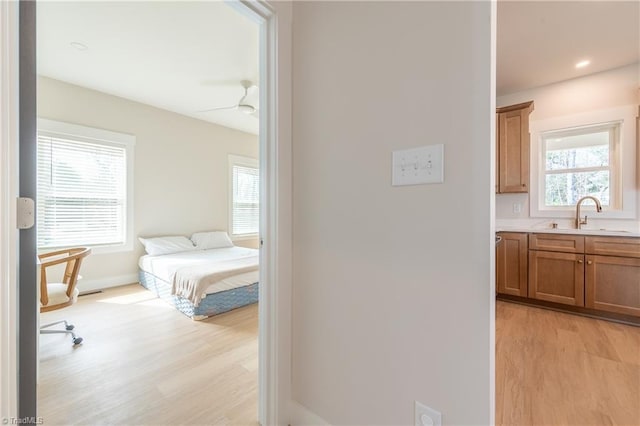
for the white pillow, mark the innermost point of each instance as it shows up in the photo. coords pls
(211, 240)
(166, 245)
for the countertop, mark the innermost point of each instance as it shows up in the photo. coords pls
(569, 231)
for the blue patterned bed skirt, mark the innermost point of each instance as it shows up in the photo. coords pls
(213, 304)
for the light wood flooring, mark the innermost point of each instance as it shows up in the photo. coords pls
(554, 368)
(144, 363)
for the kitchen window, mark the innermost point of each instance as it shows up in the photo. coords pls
(589, 153)
(581, 161)
(84, 187)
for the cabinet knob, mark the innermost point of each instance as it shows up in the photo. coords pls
(524, 184)
(579, 261)
(589, 262)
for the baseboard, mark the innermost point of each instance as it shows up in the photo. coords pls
(299, 415)
(102, 283)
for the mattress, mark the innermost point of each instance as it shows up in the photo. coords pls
(213, 304)
(165, 266)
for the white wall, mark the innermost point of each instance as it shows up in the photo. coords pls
(391, 285)
(599, 91)
(180, 170)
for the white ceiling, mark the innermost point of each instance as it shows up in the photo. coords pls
(179, 56)
(189, 56)
(539, 42)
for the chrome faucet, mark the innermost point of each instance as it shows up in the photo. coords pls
(579, 221)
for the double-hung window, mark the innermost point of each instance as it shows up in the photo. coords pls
(588, 153)
(84, 185)
(244, 211)
(581, 161)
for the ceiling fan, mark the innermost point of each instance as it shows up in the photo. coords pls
(242, 105)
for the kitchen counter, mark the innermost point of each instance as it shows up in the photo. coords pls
(568, 231)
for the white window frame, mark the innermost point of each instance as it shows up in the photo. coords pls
(238, 160)
(613, 167)
(623, 158)
(107, 137)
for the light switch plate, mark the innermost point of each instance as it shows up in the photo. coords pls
(417, 166)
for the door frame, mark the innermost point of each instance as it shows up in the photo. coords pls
(275, 167)
(9, 123)
(274, 311)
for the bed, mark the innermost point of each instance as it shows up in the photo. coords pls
(200, 281)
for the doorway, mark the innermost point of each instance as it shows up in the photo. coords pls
(269, 214)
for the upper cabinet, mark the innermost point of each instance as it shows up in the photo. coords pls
(512, 151)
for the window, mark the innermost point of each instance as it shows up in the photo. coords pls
(245, 196)
(84, 186)
(588, 153)
(579, 162)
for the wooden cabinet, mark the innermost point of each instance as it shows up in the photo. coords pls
(512, 134)
(556, 277)
(511, 264)
(612, 274)
(594, 275)
(613, 246)
(557, 242)
(613, 284)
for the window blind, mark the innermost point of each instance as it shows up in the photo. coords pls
(245, 209)
(81, 192)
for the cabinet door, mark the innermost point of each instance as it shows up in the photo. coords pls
(497, 183)
(557, 242)
(613, 246)
(556, 277)
(511, 264)
(513, 148)
(613, 284)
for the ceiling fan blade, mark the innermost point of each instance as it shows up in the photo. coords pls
(219, 108)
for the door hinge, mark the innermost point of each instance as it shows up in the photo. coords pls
(25, 213)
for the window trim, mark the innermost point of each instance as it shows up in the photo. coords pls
(238, 160)
(613, 128)
(623, 158)
(106, 137)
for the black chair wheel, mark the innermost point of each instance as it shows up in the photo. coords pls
(70, 327)
(77, 341)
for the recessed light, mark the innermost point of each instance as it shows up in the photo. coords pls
(583, 64)
(79, 46)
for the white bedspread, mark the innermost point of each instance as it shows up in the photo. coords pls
(191, 281)
(196, 270)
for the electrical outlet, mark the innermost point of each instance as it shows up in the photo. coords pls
(426, 416)
(517, 207)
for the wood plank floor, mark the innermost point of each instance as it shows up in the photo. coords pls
(144, 363)
(554, 368)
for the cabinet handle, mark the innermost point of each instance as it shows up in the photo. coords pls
(524, 184)
(579, 261)
(589, 262)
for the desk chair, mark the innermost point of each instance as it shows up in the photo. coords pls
(60, 295)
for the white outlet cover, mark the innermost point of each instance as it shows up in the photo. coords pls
(426, 416)
(417, 166)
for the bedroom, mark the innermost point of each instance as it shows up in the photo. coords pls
(180, 178)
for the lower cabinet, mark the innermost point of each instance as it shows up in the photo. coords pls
(601, 273)
(613, 284)
(556, 277)
(511, 264)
